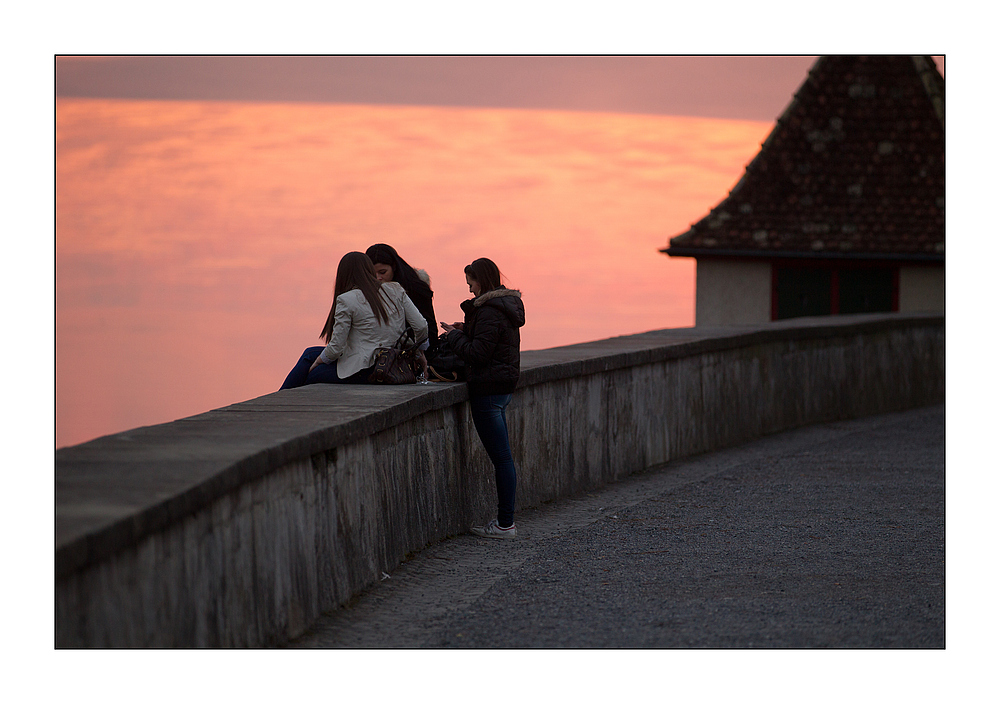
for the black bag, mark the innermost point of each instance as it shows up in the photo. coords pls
(443, 364)
(397, 364)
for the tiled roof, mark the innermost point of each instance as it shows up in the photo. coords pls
(853, 168)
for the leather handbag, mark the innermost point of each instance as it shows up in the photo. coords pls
(397, 364)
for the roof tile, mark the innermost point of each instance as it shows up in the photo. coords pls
(854, 165)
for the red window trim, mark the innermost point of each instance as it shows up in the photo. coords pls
(895, 289)
(774, 291)
(835, 291)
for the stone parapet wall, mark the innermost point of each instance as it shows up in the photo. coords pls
(240, 526)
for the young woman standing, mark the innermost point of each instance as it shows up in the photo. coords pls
(489, 342)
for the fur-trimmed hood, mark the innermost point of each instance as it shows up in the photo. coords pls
(506, 300)
(495, 293)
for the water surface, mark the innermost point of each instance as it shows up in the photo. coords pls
(197, 242)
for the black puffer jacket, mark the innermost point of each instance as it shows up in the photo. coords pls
(490, 344)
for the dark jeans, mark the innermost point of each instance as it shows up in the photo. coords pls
(488, 413)
(322, 374)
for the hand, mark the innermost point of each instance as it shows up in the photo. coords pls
(316, 363)
(453, 326)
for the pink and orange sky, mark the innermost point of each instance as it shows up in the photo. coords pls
(202, 203)
(192, 234)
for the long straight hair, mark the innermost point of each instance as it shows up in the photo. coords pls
(356, 272)
(486, 273)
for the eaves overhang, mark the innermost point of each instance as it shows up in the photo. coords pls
(702, 253)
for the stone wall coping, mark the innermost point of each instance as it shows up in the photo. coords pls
(115, 490)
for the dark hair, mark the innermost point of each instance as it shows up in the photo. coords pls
(416, 288)
(486, 273)
(402, 273)
(356, 272)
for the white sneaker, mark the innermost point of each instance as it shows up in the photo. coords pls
(493, 530)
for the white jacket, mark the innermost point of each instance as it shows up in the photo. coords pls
(357, 333)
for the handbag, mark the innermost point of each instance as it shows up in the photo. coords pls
(444, 364)
(397, 364)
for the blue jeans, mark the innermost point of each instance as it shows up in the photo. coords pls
(488, 414)
(322, 374)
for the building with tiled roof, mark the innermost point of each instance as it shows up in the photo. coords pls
(842, 210)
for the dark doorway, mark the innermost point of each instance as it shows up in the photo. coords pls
(865, 290)
(803, 291)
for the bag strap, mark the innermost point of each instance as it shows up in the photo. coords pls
(405, 341)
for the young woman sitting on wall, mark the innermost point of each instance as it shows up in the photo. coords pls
(389, 266)
(366, 314)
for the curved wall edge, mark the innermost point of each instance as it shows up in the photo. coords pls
(240, 526)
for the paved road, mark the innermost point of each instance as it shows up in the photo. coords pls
(828, 536)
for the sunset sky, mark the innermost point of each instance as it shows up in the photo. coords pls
(202, 202)
(192, 231)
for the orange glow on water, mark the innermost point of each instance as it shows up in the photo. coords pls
(196, 242)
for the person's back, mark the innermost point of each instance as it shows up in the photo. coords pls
(366, 333)
(365, 316)
(355, 342)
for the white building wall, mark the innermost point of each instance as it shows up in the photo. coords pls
(732, 292)
(921, 288)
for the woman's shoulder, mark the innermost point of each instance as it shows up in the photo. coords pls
(354, 294)
(393, 289)
(351, 299)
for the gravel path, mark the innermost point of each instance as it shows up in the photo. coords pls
(828, 536)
